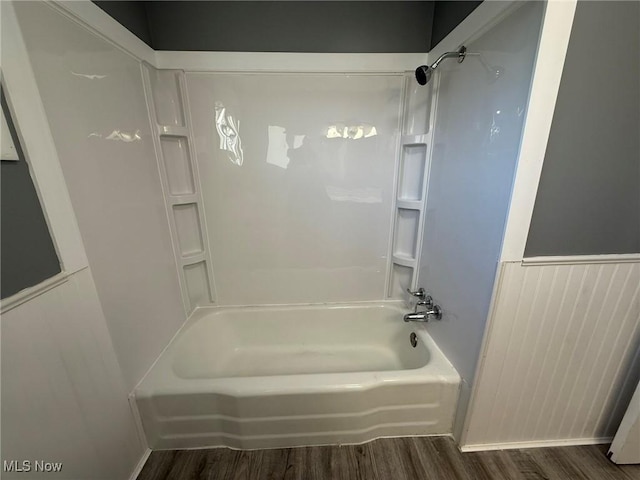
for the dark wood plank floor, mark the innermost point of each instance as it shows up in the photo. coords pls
(423, 458)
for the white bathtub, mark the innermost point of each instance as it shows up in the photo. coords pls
(267, 377)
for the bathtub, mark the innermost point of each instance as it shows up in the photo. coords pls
(269, 377)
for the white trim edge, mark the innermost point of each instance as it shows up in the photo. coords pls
(582, 259)
(131, 398)
(34, 134)
(138, 469)
(141, 437)
(566, 442)
(478, 21)
(29, 293)
(547, 74)
(488, 329)
(90, 16)
(289, 62)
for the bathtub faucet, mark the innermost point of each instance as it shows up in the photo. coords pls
(430, 312)
(434, 313)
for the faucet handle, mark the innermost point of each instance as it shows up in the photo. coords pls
(420, 293)
(435, 312)
(426, 302)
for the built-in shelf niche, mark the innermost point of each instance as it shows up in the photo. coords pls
(177, 163)
(168, 104)
(406, 233)
(187, 223)
(412, 171)
(167, 98)
(417, 118)
(401, 279)
(197, 281)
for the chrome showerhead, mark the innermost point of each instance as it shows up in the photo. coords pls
(425, 72)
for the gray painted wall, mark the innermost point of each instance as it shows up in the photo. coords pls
(290, 26)
(27, 254)
(131, 14)
(447, 15)
(588, 200)
(285, 26)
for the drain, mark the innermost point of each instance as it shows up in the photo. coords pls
(413, 338)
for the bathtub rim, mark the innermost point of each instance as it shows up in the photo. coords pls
(438, 369)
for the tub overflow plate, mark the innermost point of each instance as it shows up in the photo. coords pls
(413, 338)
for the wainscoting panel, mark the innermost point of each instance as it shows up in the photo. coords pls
(562, 356)
(63, 395)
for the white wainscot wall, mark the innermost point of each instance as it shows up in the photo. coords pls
(94, 100)
(298, 196)
(63, 397)
(562, 356)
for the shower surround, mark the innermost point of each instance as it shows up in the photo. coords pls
(280, 187)
(306, 188)
(302, 190)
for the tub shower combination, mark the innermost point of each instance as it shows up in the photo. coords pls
(319, 369)
(267, 377)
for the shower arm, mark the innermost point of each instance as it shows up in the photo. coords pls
(424, 72)
(460, 54)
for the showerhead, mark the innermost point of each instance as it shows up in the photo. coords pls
(423, 74)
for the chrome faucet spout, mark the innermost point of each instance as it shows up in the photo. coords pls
(416, 317)
(431, 313)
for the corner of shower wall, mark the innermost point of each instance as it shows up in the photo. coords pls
(411, 188)
(174, 144)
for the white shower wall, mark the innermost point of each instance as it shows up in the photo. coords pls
(481, 107)
(94, 100)
(299, 207)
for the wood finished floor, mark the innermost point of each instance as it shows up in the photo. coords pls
(425, 458)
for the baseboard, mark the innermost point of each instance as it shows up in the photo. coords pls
(140, 465)
(567, 442)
